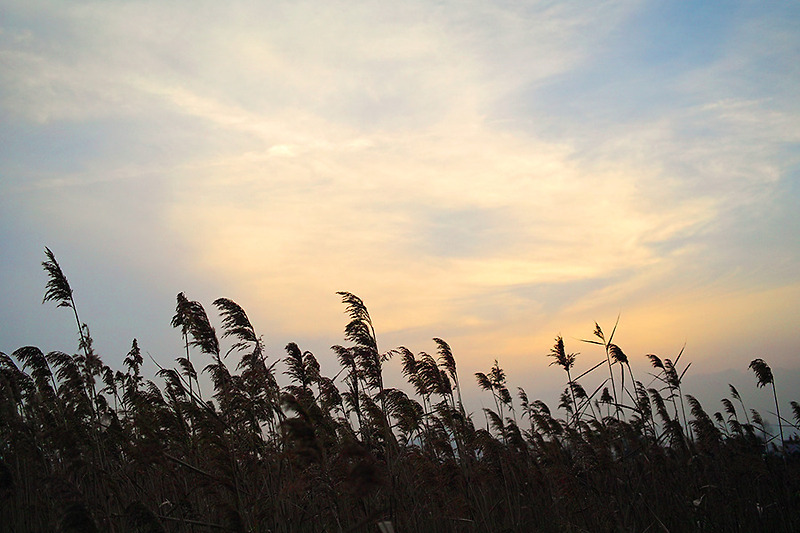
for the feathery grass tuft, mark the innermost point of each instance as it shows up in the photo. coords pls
(763, 372)
(57, 288)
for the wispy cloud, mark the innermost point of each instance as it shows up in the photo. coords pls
(464, 166)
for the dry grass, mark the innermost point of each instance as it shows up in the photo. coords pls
(88, 448)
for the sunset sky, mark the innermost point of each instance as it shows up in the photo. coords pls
(494, 174)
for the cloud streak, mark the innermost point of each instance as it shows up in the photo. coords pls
(467, 169)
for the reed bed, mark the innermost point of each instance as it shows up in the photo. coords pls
(85, 447)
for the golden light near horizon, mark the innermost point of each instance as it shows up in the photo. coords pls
(510, 225)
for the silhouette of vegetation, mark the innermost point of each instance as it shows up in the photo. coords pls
(87, 448)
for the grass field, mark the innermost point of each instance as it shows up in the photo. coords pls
(86, 447)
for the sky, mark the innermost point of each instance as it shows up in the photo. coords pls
(491, 173)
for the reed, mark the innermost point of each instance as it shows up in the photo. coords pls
(347, 453)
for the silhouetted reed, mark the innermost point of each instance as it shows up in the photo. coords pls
(87, 448)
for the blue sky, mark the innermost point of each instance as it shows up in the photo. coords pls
(494, 174)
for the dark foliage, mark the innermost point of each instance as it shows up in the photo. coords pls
(86, 448)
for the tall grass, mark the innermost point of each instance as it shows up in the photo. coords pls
(87, 448)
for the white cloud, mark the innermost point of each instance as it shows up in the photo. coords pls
(305, 148)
